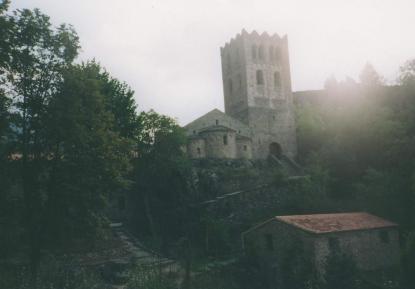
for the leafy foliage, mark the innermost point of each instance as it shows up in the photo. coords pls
(160, 175)
(88, 157)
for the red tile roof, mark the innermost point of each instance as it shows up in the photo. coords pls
(327, 223)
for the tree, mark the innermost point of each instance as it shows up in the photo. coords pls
(407, 73)
(88, 157)
(5, 32)
(31, 72)
(160, 174)
(119, 100)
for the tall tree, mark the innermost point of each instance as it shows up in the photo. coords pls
(160, 173)
(89, 157)
(31, 72)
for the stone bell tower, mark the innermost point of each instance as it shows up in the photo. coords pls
(257, 90)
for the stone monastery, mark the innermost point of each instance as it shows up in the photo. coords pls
(259, 111)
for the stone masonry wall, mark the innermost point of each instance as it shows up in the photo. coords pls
(196, 148)
(215, 146)
(366, 247)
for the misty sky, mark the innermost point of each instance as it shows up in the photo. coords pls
(168, 50)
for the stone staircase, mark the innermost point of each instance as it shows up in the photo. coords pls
(288, 164)
(115, 271)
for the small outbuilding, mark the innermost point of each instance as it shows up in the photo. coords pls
(371, 241)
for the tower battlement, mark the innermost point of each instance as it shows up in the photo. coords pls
(254, 36)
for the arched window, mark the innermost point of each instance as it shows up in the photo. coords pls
(225, 139)
(230, 85)
(277, 79)
(261, 52)
(259, 77)
(253, 51)
(198, 151)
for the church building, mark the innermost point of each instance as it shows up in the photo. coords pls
(259, 113)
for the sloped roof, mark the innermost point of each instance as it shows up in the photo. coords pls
(209, 119)
(331, 223)
(216, 128)
(327, 223)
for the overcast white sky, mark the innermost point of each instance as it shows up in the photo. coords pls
(168, 50)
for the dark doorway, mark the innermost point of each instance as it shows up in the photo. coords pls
(275, 149)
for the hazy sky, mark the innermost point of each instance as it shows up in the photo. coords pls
(168, 50)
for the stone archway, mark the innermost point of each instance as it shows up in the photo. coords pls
(275, 149)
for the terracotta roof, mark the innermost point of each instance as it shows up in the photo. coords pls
(327, 223)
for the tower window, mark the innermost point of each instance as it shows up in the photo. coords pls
(254, 49)
(245, 148)
(198, 151)
(225, 139)
(261, 53)
(230, 86)
(259, 77)
(277, 79)
(239, 81)
(194, 132)
(217, 122)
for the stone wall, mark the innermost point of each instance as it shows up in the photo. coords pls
(274, 243)
(217, 146)
(196, 148)
(365, 246)
(284, 237)
(243, 147)
(270, 125)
